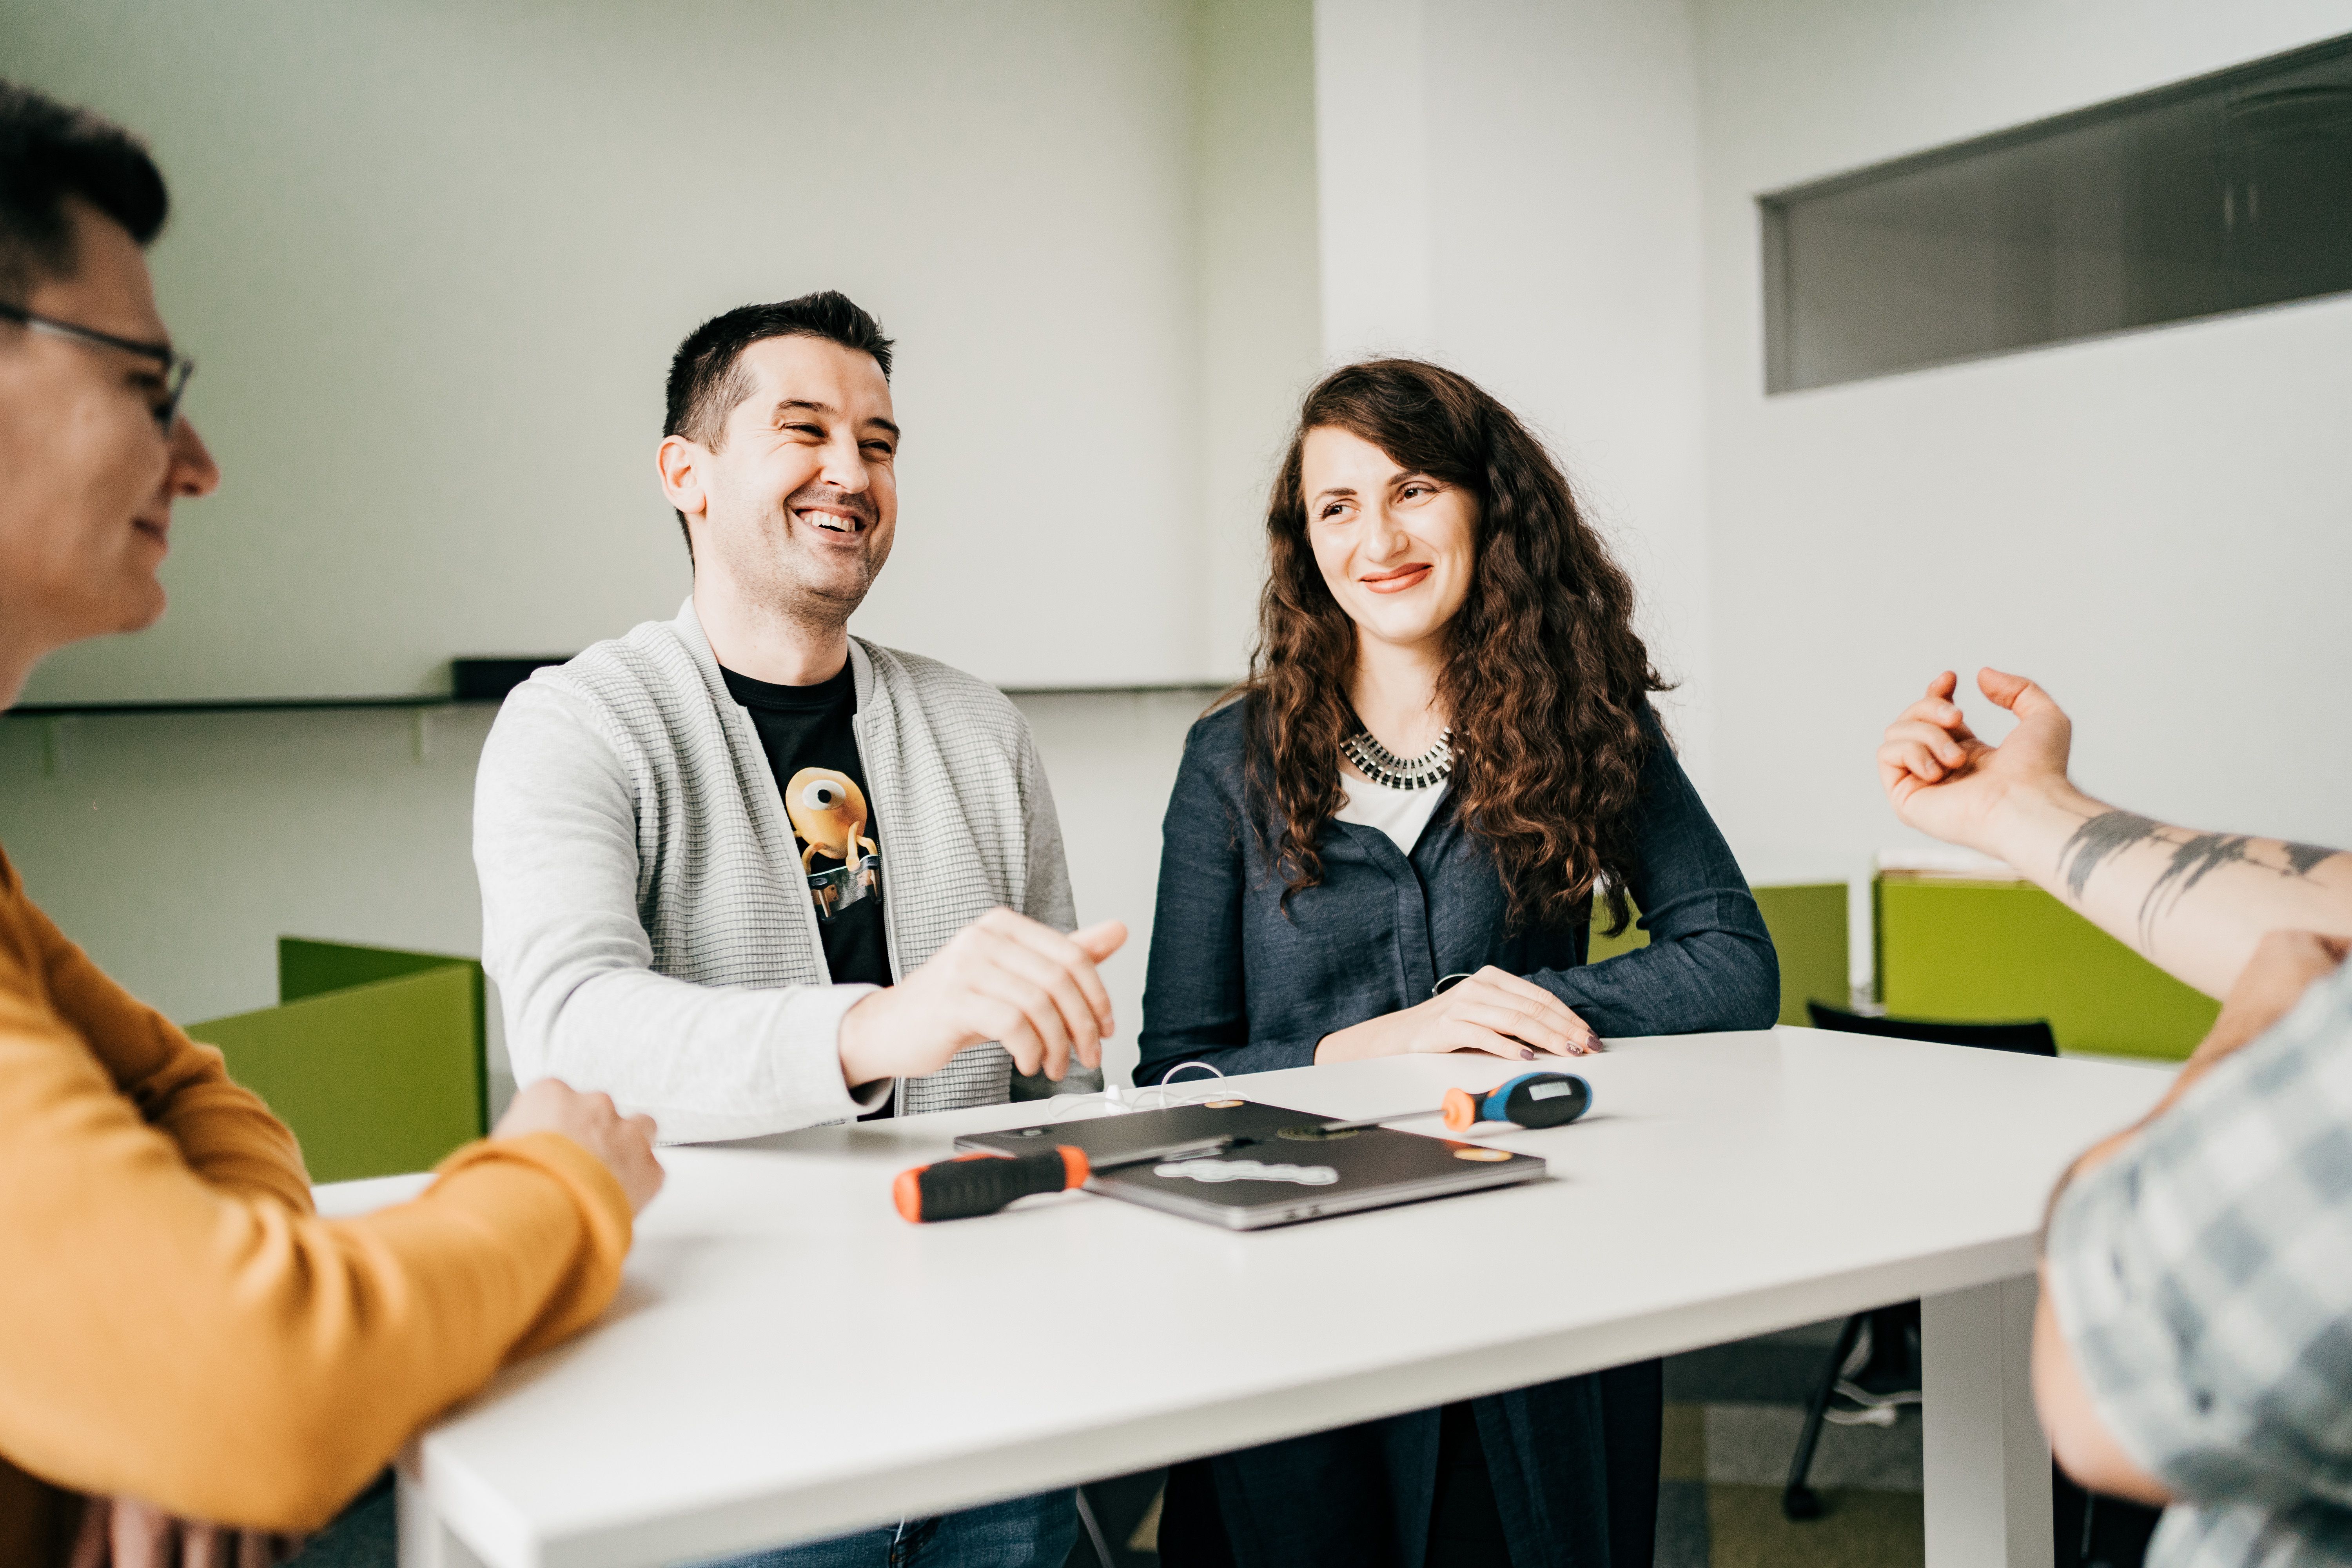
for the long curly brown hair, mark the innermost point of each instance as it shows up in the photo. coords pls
(1545, 678)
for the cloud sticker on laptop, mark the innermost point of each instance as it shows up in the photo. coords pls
(1247, 1170)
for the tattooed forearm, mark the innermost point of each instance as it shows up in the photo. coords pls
(2301, 858)
(2099, 840)
(2202, 853)
(2194, 857)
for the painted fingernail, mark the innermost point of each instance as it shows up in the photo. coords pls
(1526, 1053)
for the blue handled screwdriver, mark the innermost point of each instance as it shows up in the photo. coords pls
(1529, 1099)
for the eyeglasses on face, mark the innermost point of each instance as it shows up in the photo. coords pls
(176, 367)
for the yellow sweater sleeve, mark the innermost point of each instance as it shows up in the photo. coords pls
(175, 1323)
(180, 1088)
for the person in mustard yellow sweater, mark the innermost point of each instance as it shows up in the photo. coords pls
(182, 1338)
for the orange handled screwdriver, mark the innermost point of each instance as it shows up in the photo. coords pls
(972, 1184)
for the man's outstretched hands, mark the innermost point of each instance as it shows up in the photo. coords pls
(1944, 780)
(1004, 977)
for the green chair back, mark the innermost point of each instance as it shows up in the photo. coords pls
(374, 1057)
(1807, 921)
(2001, 950)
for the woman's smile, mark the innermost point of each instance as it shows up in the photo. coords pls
(1397, 579)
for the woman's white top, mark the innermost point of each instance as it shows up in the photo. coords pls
(1401, 814)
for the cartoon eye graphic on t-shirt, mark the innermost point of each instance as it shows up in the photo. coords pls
(828, 811)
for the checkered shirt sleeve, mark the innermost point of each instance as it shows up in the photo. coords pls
(2203, 1278)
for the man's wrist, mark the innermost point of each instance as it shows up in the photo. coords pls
(2030, 824)
(855, 1045)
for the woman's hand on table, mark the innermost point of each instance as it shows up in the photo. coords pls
(1492, 1011)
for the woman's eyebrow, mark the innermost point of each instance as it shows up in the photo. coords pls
(1335, 491)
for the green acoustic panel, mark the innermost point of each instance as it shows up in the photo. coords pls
(307, 968)
(1625, 941)
(2002, 951)
(1807, 921)
(374, 1079)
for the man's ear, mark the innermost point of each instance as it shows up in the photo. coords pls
(680, 463)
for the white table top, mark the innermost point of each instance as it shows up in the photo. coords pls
(788, 1359)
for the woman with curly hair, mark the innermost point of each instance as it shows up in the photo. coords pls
(1444, 756)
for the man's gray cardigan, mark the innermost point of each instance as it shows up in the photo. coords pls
(645, 912)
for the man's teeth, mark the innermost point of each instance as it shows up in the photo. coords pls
(827, 520)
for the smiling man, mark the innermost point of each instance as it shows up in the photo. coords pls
(195, 1365)
(746, 872)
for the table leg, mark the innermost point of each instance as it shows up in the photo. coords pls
(425, 1540)
(1988, 1465)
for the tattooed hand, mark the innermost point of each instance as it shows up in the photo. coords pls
(2194, 904)
(1944, 780)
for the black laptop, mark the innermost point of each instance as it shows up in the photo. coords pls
(1284, 1167)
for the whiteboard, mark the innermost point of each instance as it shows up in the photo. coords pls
(431, 260)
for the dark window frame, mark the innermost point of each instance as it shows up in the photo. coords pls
(1775, 209)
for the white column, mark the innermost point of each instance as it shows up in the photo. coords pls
(425, 1540)
(1373, 193)
(1988, 1465)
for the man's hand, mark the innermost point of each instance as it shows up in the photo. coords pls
(1004, 977)
(1492, 1011)
(2284, 965)
(1944, 780)
(625, 1144)
(119, 1532)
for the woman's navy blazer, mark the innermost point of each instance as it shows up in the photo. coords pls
(1237, 981)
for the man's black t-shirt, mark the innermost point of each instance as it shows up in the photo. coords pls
(812, 751)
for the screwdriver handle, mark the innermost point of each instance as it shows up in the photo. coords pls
(971, 1185)
(1530, 1100)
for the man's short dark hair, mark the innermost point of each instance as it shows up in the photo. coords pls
(51, 154)
(706, 374)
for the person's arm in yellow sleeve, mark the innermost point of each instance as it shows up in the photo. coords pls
(227, 1356)
(181, 1088)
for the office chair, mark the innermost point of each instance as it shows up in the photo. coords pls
(1888, 1373)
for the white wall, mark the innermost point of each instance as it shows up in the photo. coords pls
(1261, 346)
(177, 849)
(434, 257)
(1143, 174)
(1512, 190)
(2156, 526)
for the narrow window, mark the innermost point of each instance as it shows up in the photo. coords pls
(2225, 192)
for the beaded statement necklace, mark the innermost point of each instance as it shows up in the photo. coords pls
(1382, 766)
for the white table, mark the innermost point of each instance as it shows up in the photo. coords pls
(788, 1359)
